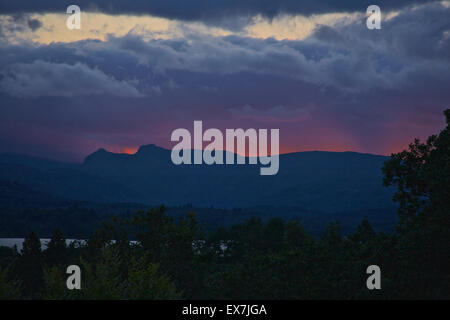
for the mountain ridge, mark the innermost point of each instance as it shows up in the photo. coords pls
(314, 180)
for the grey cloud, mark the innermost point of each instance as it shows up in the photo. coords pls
(349, 58)
(217, 12)
(34, 24)
(365, 72)
(276, 114)
(41, 78)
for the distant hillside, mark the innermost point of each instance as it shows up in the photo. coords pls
(312, 187)
(14, 194)
(312, 181)
(61, 180)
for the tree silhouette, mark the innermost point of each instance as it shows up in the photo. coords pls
(29, 266)
(422, 176)
(56, 248)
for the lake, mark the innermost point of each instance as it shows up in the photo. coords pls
(10, 242)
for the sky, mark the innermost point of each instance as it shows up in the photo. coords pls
(137, 70)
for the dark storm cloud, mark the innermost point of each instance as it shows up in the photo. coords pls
(203, 10)
(34, 24)
(349, 58)
(19, 22)
(343, 87)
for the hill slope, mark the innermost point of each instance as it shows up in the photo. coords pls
(324, 181)
(317, 181)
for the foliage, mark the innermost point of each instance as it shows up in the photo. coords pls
(9, 290)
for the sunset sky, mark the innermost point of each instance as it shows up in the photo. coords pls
(137, 70)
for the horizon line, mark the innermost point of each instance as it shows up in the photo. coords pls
(34, 155)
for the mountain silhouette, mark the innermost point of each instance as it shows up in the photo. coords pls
(315, 181)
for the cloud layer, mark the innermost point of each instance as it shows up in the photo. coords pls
(209, 11)
(41, 78)
(338, 87)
